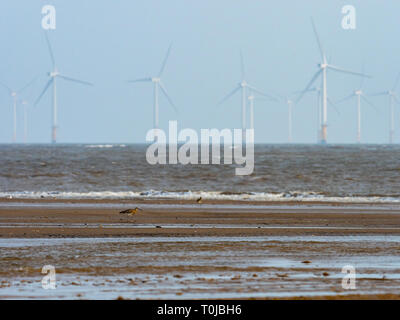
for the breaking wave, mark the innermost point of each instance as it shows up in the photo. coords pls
(193, 195)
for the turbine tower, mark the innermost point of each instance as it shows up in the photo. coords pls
(54, 75)
(323, 68)
(360, 95)
(14, 96)
(25, 103)
(290, 109)
(251, 99)
(243, 86)
(289, 102)
(158, 85)
(392, 100)
(318, 91)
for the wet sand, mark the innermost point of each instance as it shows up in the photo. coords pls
(179, 250)
(50, 218)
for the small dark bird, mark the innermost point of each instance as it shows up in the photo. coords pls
(199, 200)
(131, 212)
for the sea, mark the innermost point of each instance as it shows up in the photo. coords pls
(332, 173)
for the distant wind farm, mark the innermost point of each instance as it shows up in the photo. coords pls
(249, 95)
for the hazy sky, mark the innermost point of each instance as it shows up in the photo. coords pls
(109, 42)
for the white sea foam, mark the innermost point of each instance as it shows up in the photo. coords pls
(102, 146)
(192, 195)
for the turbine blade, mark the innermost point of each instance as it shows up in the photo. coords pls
(75, 80)
(262, 93)
(369, 102)
(140, 80)
(230, 95)
(165, 61)
(5, 86)
(396, 99)
(53, 60)
(313, 89)
(28, 84)
(281, 96)
(396, 82)
(321, 50)
(242, 65)
(261, 99)
(363, 78)
(345, 98)
(309, 85)
(333, 105)
(44, 91)
(383, 93)
(348, 71)
(167, 96)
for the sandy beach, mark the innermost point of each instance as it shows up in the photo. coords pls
(90, 218)
(182, 250)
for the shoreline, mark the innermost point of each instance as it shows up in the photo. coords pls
(160, 201)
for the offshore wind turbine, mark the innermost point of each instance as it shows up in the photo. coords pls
(289, 102)
(251, 98)
(158, 85)
(25, 105)
(14, 96)
(392, 100)
(244, 86)
(323, 68)
(359, 95)
(53, 76)
(318, 91)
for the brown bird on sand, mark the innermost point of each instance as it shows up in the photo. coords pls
(131, 212)
(199, 200)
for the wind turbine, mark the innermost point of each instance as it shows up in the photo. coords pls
(14, 96)
(158, 85)
(25, 105)
(243, 86)
(251, 98)
(360, 95)
(289, 102)
(54, 75)
(392, 100)
(318, 91)
(323, 68)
